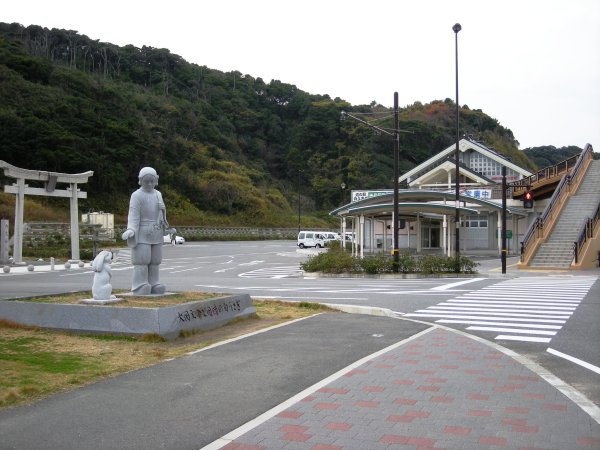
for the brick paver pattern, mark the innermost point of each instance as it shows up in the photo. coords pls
(439, 391)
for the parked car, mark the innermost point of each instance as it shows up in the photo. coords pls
(310, 239)
(178, 239)
(331, 236)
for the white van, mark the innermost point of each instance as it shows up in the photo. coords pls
(310, 239)
(329, 236)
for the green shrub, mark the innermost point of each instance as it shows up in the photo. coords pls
(428, 264)
(467, 265)
(406, 263)
(377, 263)
(331, 262)
(431, 264)
(336, 261)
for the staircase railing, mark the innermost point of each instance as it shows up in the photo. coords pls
(586, 232)
(545, 174)
(541, 226)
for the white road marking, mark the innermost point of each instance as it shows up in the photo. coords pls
(512, 330)
(501, 324)
(505, 337)
(445, 287)
(578, 361)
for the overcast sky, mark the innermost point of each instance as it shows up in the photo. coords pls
(534, 65)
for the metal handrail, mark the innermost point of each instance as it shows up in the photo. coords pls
(545, 173)
(529, 234)
(586, 231)
(538, 223)
(563, 186)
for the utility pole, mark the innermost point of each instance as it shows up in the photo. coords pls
(503, 255)
(395, 133)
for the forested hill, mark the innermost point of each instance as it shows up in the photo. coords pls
(230, 149)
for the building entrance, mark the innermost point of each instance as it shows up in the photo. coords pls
(431, 235)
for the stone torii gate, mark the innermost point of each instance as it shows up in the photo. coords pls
(50, 179)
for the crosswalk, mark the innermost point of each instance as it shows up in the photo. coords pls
(528, 309)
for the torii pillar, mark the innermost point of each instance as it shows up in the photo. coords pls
(50, 179)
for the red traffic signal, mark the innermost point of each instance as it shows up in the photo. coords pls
(528, 200)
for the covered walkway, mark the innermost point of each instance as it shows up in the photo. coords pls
(426, 223)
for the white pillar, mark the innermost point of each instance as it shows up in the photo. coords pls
(343, 234)
(19, 208)
(445, 236)
(372, 232)
(74, 223)
(451, 240)
(354, 236)
(4, 237)
(361, 232)
(499, 228)
(385, 236)
(418, 233)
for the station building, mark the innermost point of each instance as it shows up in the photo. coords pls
(427, 206)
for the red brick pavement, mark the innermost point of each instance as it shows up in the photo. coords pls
(440, 390)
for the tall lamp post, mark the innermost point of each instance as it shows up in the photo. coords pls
(396, 249)
(456, 28)
(299, 172)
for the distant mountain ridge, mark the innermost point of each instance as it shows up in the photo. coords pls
(230, 149)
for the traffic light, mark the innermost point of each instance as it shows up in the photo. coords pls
(528, 199)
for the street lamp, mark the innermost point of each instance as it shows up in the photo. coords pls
(299, 172)
(456, 28)
(396, 249)
(343, 186)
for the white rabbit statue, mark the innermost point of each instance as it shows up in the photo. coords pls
(101, 288)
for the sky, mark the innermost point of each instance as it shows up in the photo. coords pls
(534, 65)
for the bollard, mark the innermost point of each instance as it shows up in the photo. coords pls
(52, 263)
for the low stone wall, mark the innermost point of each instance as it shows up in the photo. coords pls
(168, 321)
(44, 232)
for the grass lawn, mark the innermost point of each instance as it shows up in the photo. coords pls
(36, 363)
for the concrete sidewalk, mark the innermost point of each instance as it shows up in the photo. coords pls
(439, 389)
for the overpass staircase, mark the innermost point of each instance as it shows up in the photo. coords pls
(567, 234)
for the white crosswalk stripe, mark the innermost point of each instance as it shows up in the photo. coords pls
(531, 309)
(274, 272)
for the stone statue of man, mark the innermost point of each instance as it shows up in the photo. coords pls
(146, 226)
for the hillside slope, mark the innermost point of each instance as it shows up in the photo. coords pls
(230, 149)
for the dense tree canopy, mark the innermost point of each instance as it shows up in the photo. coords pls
(229, 147)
